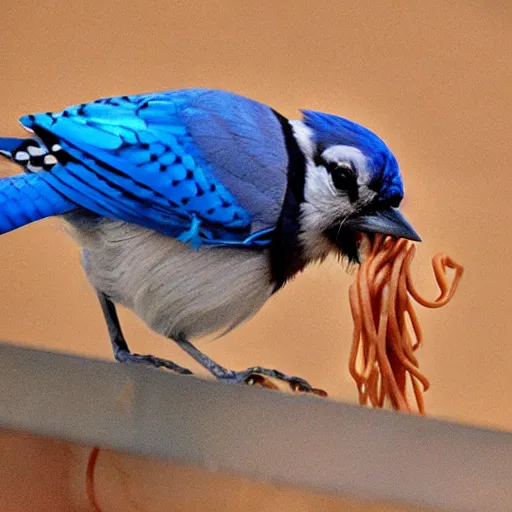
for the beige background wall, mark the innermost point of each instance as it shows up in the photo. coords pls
(432, 78)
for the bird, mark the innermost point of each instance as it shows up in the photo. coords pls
(193, 207)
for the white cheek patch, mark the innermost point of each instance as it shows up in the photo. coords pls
(323, 204)
(316, 245)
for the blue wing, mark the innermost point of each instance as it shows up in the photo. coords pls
(200, 165)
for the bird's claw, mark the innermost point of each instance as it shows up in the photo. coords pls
(257, 376)
(254, 379)
(124, 356)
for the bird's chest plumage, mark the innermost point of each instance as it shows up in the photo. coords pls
(174, 288)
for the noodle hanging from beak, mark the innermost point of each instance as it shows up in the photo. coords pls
(382, 353)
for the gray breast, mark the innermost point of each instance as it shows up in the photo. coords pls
(174, 288)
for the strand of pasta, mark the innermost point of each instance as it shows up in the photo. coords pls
(382, 354)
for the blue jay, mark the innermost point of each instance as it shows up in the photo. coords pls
(192, 207)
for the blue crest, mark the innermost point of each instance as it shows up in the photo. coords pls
(332, 130)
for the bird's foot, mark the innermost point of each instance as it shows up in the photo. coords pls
(259, 376)
(124, 356)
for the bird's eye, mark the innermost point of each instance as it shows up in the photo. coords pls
(342, 175)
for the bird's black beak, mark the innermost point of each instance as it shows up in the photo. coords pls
(384, 220)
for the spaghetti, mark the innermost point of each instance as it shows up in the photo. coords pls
(382, 354)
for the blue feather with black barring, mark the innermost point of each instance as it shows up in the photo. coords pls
(191, 164)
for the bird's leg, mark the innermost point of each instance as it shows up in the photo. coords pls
(123, 354)
(244, 376)
(120, 347)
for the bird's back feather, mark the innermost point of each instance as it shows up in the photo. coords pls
(199, 165)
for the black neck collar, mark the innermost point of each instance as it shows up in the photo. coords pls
(286, 252)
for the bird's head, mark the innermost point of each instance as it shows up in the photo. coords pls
(352, 186)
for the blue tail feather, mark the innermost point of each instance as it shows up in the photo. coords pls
(8, 145)
(27, 198)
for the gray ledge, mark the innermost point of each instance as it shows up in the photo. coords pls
(305, 442)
